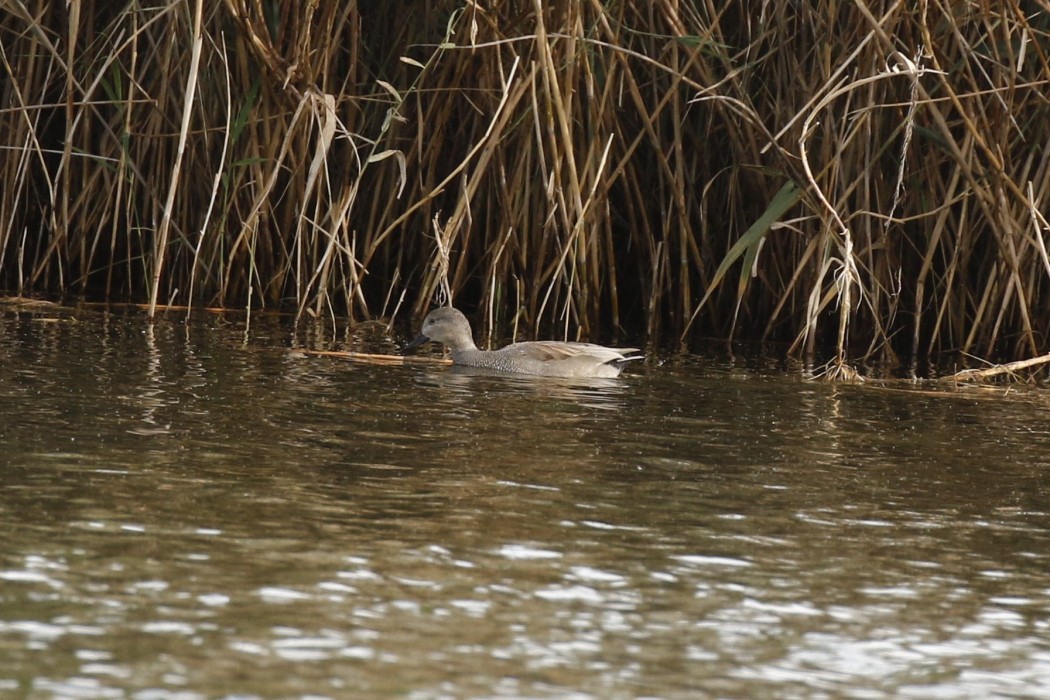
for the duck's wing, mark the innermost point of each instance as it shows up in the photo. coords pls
(554, 350)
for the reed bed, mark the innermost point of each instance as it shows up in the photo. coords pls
(866, 177)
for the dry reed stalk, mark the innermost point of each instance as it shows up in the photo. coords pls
(161, 244)
(599, 163)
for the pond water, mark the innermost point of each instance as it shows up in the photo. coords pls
(194, 511)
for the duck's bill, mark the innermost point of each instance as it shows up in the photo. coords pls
(416, 343)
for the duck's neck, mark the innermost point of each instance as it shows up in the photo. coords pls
(463, 349)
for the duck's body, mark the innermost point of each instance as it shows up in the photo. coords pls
(545, 358)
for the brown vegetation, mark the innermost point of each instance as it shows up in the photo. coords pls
(869, 176)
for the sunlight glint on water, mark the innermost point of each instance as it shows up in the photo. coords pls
(190, 517)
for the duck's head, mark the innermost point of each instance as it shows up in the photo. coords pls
(445, 325)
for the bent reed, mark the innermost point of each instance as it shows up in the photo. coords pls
(868, 177)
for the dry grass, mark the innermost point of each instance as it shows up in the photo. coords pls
(874, 177)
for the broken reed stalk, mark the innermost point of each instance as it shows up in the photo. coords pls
(866, 180)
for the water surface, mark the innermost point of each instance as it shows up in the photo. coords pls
(193, 511)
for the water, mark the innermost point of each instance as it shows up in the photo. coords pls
(189, 515)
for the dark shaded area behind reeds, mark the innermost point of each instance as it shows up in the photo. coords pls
(867, 176)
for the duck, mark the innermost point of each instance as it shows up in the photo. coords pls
(543, 358)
